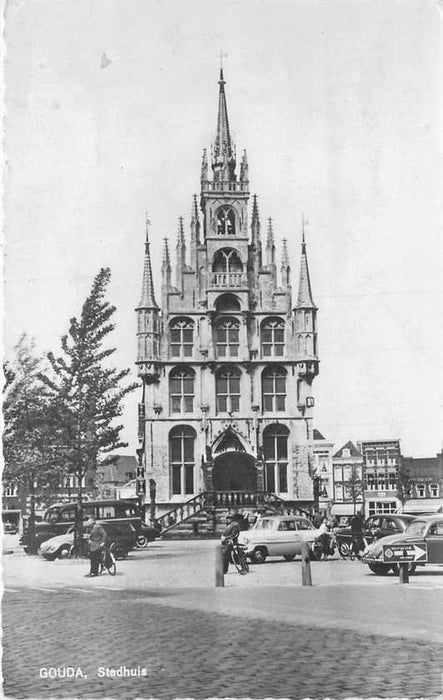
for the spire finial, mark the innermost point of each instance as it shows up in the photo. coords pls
(304, 223)
(222, 56)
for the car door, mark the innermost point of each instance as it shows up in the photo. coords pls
(434, 541)
(305, 533)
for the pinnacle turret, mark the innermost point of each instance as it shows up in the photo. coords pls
(147, 299)
(304, 297)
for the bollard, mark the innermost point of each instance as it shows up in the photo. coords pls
(219, 575)
(306, 565)
(403, 573)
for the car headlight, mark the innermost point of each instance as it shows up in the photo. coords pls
(245, 540)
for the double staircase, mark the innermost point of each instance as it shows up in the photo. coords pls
(205, 515)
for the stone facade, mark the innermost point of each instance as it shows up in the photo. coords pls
(227, 361)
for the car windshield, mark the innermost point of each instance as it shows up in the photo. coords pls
(51, 515)
(417, 527)
(263, 524)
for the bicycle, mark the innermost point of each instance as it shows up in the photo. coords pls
(238, 557)
(107, 561)
(356, 549)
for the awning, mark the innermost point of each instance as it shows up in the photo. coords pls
(345, 508)
(423, 505)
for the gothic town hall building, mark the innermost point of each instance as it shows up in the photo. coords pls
(227, 359)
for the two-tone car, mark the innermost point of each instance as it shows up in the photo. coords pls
(425, 532)
(375, 527)
(277, 536)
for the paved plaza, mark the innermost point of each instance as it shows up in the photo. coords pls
(351, 634)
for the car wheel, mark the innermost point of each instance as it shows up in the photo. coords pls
(64, 552)
(344, 549)
(289, 557)
(142, 541)
(411, 568)
(379, 569)
(259, 555)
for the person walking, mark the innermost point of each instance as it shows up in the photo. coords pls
(98, 540)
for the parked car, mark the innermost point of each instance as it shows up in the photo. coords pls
(277, 536)
(62, 546)
(424, 530)
(375, 527)
(58, 519)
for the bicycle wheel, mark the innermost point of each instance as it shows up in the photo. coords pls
(238, 561)
(244, 561)
(344, 549)
(110, 564)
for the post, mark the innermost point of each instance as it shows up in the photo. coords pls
(305, 565)
(219, 575)
(403, 573)
(31, 522)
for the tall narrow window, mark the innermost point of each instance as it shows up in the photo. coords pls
(181, 390)
(182, 462)
(275, 450)
(272, 337)
(227, 387)
(227, 338)
(181, 337)
(273, 389)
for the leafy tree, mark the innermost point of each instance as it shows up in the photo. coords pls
(404, 483)
(86, 392)
(29, 462)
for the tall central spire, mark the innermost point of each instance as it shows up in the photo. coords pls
(147, 300)
(223, 155)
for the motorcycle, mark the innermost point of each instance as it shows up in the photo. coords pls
(323, 547)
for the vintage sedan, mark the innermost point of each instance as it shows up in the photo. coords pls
(62, 546)
(424, 530)
(277, 536)
(375, 527)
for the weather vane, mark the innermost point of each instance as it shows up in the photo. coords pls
(222, 56)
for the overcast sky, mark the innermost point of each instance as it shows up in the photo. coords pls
(337, 104)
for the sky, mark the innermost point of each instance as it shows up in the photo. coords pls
(108, 105)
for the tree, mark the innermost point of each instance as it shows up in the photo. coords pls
(404, 483)
(27, 446)
(86, 392)
(354, 485)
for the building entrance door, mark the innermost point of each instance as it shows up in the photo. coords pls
(234, 471)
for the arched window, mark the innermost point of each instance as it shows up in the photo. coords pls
(275, 451)
(227, 260)
(434, 489)
(181, 459)
(227, 389)
(272, 337)
(225, 219)
(273, 389)
(227, 337)
(181, 337)
(181, 390)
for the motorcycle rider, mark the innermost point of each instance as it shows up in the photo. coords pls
(324, 537)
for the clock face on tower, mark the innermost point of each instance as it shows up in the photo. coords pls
(225, 220)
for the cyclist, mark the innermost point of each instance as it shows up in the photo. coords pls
(230, 535)
(357, 533)
(98, 540)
